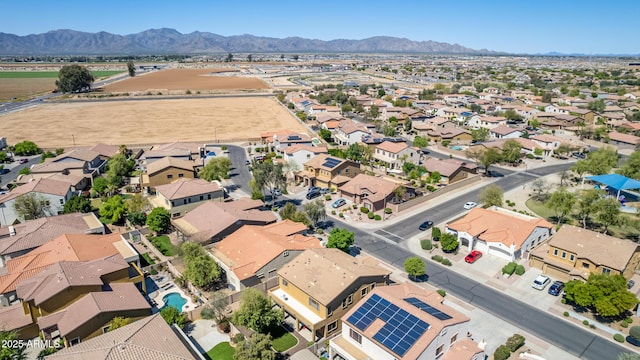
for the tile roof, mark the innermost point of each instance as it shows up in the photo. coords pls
(184, 187)
(252, 247)
(122, 297)
(192, 147)
(318, 161)
(492, 119)
(498, 225)
(13, 317)
(396, 294)
(43, 186)
(65, 274)
(105, 150)
(71, 247)
(392, 147)
(545, 138)
(299, 147)
(156, 154)
(150, 338)
(78, 154)
(503, 130)
(625, 138)
(33, 233)
(167, 162)
(57, 167)
(325, 273)
(463, 349)
(599, 248)
(445, 168)
(377, 187)
(211, 218)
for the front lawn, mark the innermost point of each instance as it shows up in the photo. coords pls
(163, 244)
(540, 209)
(222, 351)
(282, 339)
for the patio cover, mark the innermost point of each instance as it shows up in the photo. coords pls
(616, 181)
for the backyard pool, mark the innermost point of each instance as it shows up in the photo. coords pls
(458, 148)
(174, 299)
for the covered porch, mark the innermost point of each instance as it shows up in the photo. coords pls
(302, 317)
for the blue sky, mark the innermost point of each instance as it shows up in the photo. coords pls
(516, 26)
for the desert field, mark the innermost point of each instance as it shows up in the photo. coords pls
(147, 121)
(25, 87)
(185, 79)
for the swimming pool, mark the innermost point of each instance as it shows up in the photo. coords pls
(458, 148)
(174, 299)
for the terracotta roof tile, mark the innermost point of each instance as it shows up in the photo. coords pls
(377, 188)
(392, 147)
(184, 187)
(168, 162)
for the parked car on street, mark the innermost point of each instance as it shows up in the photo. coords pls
(473, 256)
(425, 225)
(470, 205)
(541, 282)
(340, 202)
(23, 161)
(556, 288)
(276, 192)
(313, 194)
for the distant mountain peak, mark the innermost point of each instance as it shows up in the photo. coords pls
(171, 41)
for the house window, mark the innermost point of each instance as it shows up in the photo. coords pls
(439, 350)
(346, 171)
(285, 282)
(373, 286)
(364, 292)
(61, 201)
(201, 197)
(454, 338)
(555, 252)
(314, 304)
(331, 327)
(208, 196)
(169, 176)
(260, 275)
(572, 257)
(564, 255)
(308, 156)
(606, 270)
(285, 253)
(355, 336)
(74, 341)
(329, 311)
(105, 329)
(585, 265)
(180, 175)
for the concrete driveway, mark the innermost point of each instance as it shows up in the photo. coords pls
(205, 335)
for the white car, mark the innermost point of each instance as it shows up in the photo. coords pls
(541, 282)
(276, 192)
(470, 205)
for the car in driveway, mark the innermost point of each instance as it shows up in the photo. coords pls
(541, 282)
(473, 256)
(425, 225)
(340, 202)
(470, 205)
(556, 288)
(325, 190)
(312, 194)
(276, 192)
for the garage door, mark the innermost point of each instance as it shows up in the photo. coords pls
(500, 253)
(482, 246)
(556, 273)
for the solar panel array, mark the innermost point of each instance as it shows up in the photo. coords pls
(428, 308)
(331, 162)
(293, 137)
(401, 329)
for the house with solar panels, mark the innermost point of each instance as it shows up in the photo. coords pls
(319, 286)
(326, 171)
(404, 322)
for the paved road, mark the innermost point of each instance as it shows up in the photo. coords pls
(386, 244)
(239, 173)
(15, 169)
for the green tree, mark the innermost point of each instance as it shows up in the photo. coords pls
(408, 124)
(200, 269)
(257, 312)
(511, 151)
(17, 352)
(315, 211)
(256, 192)
(31, 206)
(374, 111)
(481, 134)
(249, 58)
(131, 68)
(24, 171)
(340, 239)
(603, 293)
(597, 106)
(26, 148)
(325, 134)
(399, 192)
(172, 316)
(229, 58)
(216, 169)
(74, 78)
(119, 322)
(159, 220)
(608, 212)
(114, 208)
(587, 204)
(137, 218)
(448, 242)
(491, 195)
(489, 157)
(257, 347)
(631, 167)
(414, 267)
(540, 189)
(629, 356)
(598, 162)
(561, 202)
(138, 203)
(100, 185)
(77, 204)
(269, 175)
(119, 167)
(420, 142)
(634, 332)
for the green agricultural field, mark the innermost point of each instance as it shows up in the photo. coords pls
(49, 74)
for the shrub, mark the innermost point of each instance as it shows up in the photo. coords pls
(435, 233)
(618, 337)
(520, 270)
(502, 353)
(237, 338)
(387, 210)
(333, 212)
(377, 217)
(624, 324)
(593, 326)
(446, 262)
(563, 300)
(426, 244)
(364, 210)
(370, 215)
(341, 215)
(223, 147)
(188, 92)
(566, 314)
(628, 320)
(441, 292)
(437, 258)
(354, 206)
(634, 332)
(224, 326)
(327, 198)
(585, 322)
(515, 342)
(510, 268)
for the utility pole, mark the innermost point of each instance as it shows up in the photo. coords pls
(74, 140)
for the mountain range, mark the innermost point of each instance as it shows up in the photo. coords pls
(170, 41)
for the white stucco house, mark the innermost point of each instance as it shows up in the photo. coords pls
(52, 193)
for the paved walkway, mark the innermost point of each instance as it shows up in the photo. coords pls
(205, 335)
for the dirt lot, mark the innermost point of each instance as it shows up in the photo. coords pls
(185, 79)
(24, 88)
(146, 121)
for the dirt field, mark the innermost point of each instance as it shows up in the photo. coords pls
(146, 121)
(23, 88)
(185, 79)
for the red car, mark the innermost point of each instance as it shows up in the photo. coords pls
(473, 256)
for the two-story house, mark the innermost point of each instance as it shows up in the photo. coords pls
(500, 232)
(548, 143)
(394, 154)
(253, 254)
(575, 253)
(404, 322)
(51, 193)
(166, 171)
(184, 195)
(486, 121)
(327, 171)
(95, 164)
(452, 135)
(349, 133)
(371, 192)
(300, 154)
(505, 132)
(320, 285)
(450, 170)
